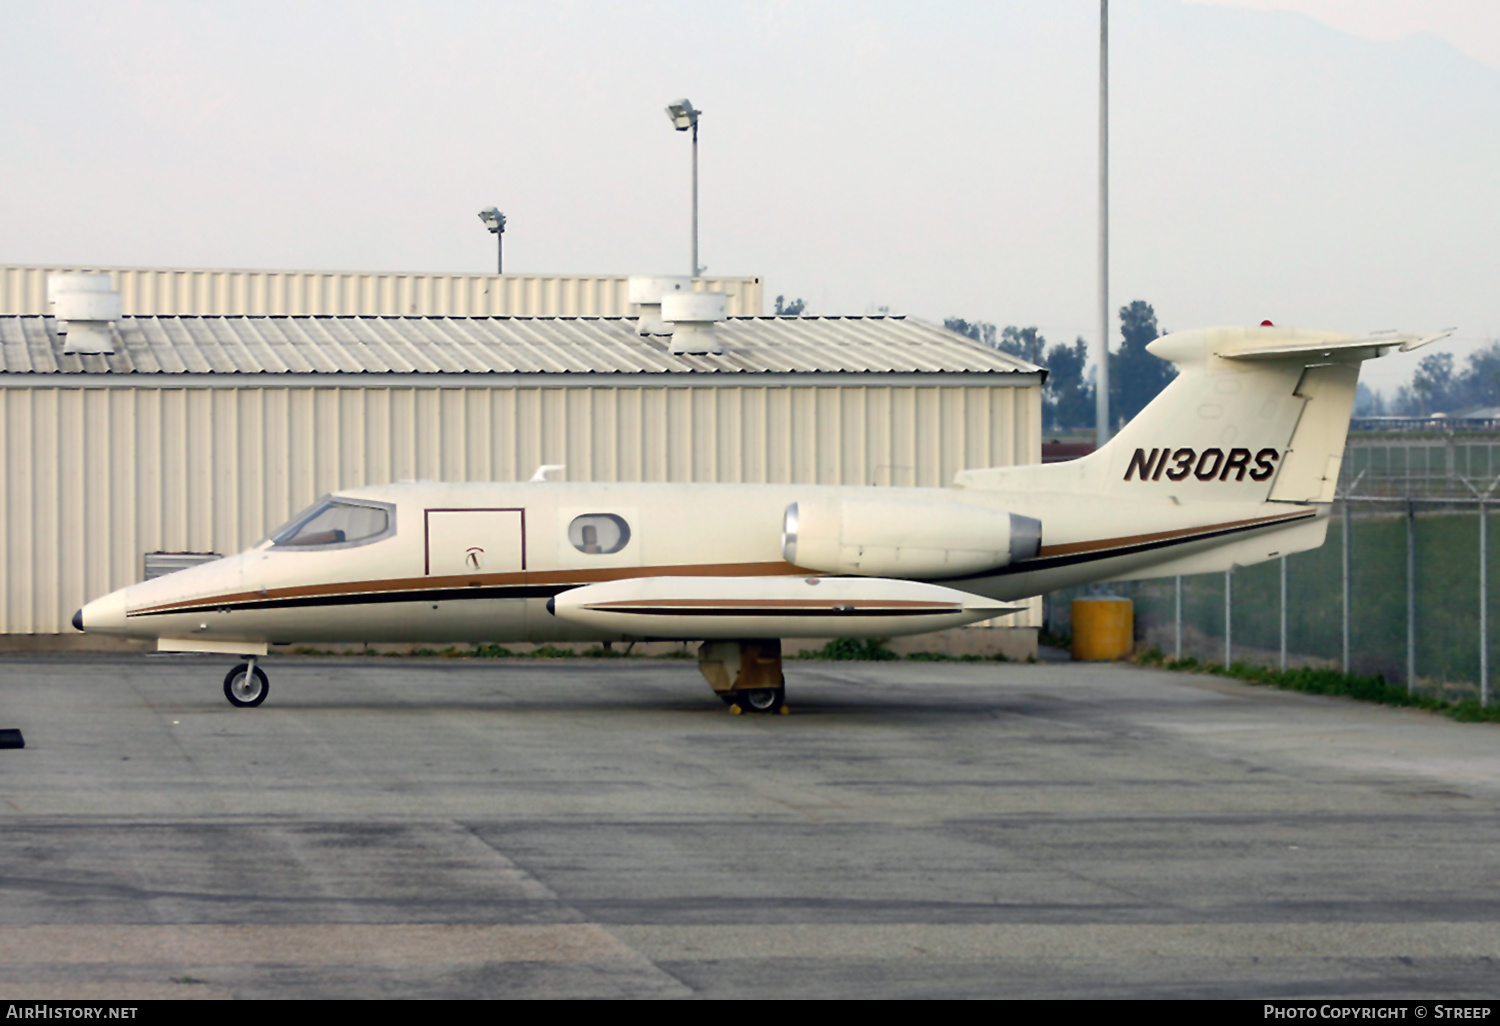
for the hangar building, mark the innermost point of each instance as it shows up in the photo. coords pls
(197, 434)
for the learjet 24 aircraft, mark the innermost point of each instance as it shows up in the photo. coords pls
(1234, 463)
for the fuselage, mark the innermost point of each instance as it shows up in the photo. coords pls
(430, 561)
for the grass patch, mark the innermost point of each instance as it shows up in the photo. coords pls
(944, 657)
(866, 649)
(1314, 681)
(1059, 639)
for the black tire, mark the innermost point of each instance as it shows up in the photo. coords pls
(761, 700)
(244, 689)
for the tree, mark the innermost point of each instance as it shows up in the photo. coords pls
(1135, 376)
(1368, 402)
(1434, 383)
(1438, 387)
(1067, 399)
(1027, 343)
(792, 309)
(980, 331)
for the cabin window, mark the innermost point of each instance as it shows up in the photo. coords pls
(335, 522)
(599, 534)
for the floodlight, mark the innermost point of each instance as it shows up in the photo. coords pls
(493, 220)
(683, 115)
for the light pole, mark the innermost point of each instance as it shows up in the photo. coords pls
(1101, 397)
(684, 117)
(495, 222)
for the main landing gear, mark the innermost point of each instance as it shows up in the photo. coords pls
(246, 685)
(746, 675)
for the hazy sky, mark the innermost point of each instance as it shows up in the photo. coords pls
(1330, 163)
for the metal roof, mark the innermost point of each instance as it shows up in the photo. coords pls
(380, 345)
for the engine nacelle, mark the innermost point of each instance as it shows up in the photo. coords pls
(896, 538)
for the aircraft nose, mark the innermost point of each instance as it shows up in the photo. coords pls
(102, 614)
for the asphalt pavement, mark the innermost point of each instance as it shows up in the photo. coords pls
(605, 828)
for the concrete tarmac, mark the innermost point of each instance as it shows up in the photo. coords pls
(593, 828)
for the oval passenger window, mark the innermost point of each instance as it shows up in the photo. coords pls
(599, 534)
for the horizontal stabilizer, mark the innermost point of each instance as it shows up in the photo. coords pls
(1249, 348)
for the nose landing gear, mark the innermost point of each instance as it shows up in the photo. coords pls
(246, 685)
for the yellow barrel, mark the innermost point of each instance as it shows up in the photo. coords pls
(1103, 627)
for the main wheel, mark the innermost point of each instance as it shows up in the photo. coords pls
(761, 700)
(246, 688)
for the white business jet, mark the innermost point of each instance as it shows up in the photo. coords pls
(1234, 463)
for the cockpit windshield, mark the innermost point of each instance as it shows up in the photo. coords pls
(336, 522)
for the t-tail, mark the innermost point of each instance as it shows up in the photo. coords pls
(1252, 429)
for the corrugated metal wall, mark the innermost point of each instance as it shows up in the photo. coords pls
(94, 478)
(162, 291)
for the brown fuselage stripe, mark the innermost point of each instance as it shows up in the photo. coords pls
(710, 603)
(758, 609)
(1074, 548)
(773, 607)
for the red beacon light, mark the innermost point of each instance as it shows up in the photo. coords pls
(1267, 324)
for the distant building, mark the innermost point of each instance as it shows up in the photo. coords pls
(184, 290)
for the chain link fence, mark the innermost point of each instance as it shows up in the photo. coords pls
(1403, 587)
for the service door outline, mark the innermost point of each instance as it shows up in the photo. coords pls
(470, 540)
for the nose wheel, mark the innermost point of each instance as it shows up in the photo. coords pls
(246, 685)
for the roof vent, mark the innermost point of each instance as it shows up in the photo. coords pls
(647, 293)
(692, 316)
(85, 306)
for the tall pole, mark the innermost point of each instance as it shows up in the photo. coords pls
(1228, 617)
(1283, 614)
(1348, 666)
(499, 252)
(1484, 607)
(1101, 397)
(1177, 642)
(1411, 596)
(684, 117)
(695, 199)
